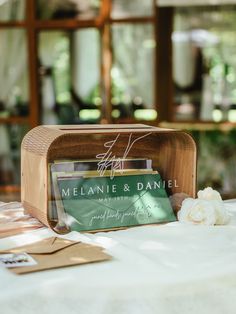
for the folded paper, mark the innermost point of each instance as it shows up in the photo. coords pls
(56, 252)
(14, 221)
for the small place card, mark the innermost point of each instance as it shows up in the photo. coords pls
(16, 260)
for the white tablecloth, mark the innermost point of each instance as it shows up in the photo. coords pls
(165, 269)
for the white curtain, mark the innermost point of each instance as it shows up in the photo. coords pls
(13, 83)
(86, 62)
(12, 10)
(133, 69)
(13, 68)
(47, 54)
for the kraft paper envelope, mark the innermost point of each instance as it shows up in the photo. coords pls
(56, 252)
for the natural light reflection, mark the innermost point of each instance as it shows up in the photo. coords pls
(145, 114)
(86, 114)
(78, 259)
(28, 238)
(154, 245)
(153, 207)
(105, 242)
(116, 113)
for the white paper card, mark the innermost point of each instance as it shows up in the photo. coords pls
(16, 260)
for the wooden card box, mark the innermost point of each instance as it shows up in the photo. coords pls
(173, 153)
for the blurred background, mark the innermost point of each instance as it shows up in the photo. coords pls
(170, 63)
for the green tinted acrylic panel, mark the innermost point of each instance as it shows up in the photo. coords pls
(104, 202)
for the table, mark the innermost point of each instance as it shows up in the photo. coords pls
(172, 268)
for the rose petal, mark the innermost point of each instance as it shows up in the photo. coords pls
(197, 211)
(209, 194)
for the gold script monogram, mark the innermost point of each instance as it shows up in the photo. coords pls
(108, 160)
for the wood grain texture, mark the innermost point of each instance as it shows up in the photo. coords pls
(173, 154)
(164, 83)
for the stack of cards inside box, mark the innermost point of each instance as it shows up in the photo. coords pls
(98, 194)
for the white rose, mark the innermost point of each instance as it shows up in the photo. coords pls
(209, 194)
(222, 215)
(197, 211)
